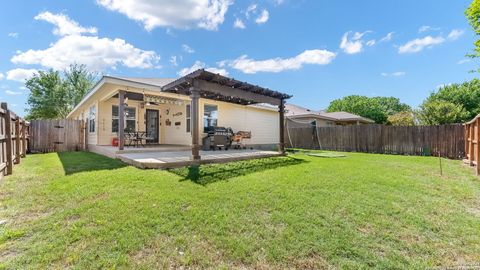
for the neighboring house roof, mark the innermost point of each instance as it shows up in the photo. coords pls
(345, 116)
(294, 111)
(311, 115)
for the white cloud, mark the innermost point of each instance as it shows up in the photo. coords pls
(173, 60)
(263, 17)
(13, 93)
(96, 53)
(13, 35)
(250, 9)
(426, 28)
(250, 66)
(419, 44)
(387, 38)
(239, 24)
(20, 74)
(1, 76)
(200, 65)
(184, 14)
(394, 74)
(455, 34)
(64, 25)
(464, 61)
(187, 49)
(354, 44)
(371, 42)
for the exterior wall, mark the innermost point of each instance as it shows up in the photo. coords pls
(83, 115)
(168, 134)
(262, 123)
(175, 134)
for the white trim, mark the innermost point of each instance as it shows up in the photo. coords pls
(113, 80)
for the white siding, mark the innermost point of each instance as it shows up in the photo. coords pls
(263, 123)
(175, 134)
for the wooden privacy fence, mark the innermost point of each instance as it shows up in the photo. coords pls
(57, 135)
(14, 139)
(444, 140)
(472, 146)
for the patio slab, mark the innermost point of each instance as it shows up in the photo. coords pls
(165, 157)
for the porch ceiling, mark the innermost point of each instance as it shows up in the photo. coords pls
(218, 87)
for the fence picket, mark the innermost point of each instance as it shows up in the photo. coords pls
(449, 140)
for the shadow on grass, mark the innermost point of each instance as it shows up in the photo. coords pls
(207, 174)
(75, 162)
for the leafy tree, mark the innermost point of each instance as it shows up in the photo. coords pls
(375, 108)
(54, 95)
(78, 80)
(439, 112)
(404, 118)
(47, 99)
(473, 16)
(466, 95)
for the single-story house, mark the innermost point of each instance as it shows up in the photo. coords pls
(301, 115)
(179, 111)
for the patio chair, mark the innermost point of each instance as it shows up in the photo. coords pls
(132, 138)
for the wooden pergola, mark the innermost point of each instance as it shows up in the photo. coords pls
(208, 85)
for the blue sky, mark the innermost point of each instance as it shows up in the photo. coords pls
(315, 50)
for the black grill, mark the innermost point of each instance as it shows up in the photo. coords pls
(218, 138)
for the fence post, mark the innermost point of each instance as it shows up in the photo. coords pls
(8, 138)
(477, 148)
(85, 134)
(470, 143)
(24, 138)
(17, 140)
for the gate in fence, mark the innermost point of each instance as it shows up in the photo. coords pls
(444, 140)
(57, 135)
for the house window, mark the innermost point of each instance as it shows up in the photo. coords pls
(130, 119)
(210, 117)
(91, 119)
(188, 118)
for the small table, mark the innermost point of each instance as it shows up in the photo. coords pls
(136, 138)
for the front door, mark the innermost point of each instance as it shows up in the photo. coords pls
(152, 125)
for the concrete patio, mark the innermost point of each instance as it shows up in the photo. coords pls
(172, 156)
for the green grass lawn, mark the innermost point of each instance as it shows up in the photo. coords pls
(85, 211)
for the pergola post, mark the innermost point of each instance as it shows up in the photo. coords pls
(281, 110)
(121, 119)
(194, 107)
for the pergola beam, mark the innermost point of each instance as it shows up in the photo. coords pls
(281, 112)
(222, 90)
(194, 115)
